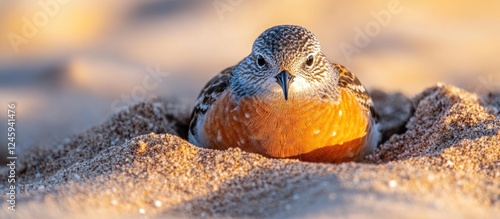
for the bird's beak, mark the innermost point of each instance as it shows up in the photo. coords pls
(284, 79)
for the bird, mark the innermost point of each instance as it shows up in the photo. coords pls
(287, 100)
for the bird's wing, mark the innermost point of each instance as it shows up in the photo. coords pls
(351, 83)
(208, 95)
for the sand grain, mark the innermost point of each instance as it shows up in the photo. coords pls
(444, 163)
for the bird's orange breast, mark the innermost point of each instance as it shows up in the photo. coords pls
(311, 130)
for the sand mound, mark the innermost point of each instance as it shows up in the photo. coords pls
(445, 163)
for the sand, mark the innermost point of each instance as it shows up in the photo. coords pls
(441, 159)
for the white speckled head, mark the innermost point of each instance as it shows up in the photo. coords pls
(284, 55)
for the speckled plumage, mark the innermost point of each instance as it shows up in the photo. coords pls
(286, 100)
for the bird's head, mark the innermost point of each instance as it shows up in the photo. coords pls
(286, 62)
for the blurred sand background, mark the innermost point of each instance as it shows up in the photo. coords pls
(77, 68)
(91, 59)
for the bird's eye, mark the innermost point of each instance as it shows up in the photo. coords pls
(261, 61)
(310, 60)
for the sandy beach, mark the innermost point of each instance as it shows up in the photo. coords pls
(104, 90)
(441, 160)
